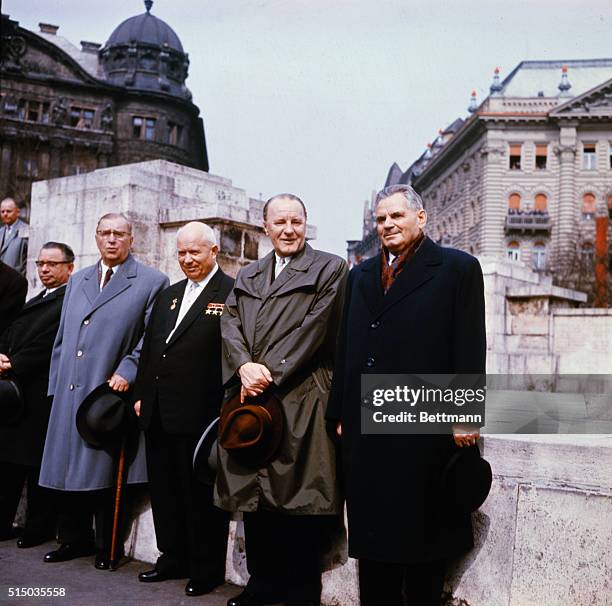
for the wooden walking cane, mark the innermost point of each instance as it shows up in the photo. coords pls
(113, 552)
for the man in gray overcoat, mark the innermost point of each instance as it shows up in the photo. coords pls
(13, 244)
(279, 335)
(105, 311)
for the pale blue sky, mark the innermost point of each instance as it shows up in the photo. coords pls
(321, 97)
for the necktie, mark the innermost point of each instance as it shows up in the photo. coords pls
(281, 263)
(107, 276)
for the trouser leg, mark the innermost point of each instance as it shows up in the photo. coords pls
(75, 517)
(424, 583)
(207, 526)
(380, 583)
(41, 519)
(284, 554)
(164, 488)
(13, 477)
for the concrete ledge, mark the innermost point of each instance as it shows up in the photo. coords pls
(543, 537)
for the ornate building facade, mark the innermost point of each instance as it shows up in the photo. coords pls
(528, 175)
(66, 111)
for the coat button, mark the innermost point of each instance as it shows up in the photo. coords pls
(283, 361)
(71, 387)
(79, 353)
(85, 322)
(370, 362)
(163, 355)
(375, 324)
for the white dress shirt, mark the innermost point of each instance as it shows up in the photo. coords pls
(281, 263)
(104, 269)
(192, 291)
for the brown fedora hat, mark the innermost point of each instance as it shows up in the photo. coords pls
(251, 432)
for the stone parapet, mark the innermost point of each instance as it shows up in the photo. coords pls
(544, 535)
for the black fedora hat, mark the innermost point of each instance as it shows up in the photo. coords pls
(105, 417)
(205, 454)
(251, 432)
(12, 405)
(466, 480)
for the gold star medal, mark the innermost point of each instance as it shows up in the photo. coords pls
(215, 309)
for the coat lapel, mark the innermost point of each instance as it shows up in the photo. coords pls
(257, 284)
(371, 285)
(419, 270)
(178, 292)
(204, 298)
(7, 239)
(120, 281)
(40, 300)
(298, 264)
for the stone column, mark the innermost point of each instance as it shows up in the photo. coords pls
(564, 228)
(493, 206)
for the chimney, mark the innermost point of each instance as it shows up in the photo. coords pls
(47, 28)
(90, 47)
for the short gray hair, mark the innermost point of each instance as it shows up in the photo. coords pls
(287, 197)
(206, 232)
(115, 216)
(412, 198)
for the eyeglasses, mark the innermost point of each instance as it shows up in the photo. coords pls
(51, 264)
(107, 233)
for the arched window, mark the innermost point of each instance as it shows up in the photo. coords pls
(513, 250)
(538, 256)
(610, 206)
(588, 206)
(514, 203)
(541, 203)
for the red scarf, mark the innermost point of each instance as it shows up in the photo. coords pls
(389, 273)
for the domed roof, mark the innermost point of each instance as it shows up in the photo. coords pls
(146, 29)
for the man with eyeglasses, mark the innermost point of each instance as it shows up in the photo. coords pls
(106, 309)
(25, 354)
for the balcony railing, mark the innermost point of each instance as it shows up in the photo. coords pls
(533, 222)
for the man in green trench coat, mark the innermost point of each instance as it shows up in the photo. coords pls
(279, 334)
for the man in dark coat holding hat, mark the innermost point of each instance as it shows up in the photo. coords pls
(415, 308)
(279, 338)
(179, 391)
(13, 289)
(25, 354)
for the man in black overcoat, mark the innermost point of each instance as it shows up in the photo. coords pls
(13, 289)
(414, 308)
(25, 354)
(179, 391)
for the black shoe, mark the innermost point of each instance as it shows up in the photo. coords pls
(246, 598)
(102, 561)
(195, 587)
(153, 576)
(68, 551)
(33, 540)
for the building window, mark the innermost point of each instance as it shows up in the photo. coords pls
(540, 203)
(175, 132)
(514, 203)
(81, 117)
(610, 206)
(538, 256)
(143, 128)
(589, 156)
(10, 106)
(513, 251)
(541, 156)
(515, 156)
(589, 205)
(609, 155)
(32, 111)
(587, 253)
(30, 168)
